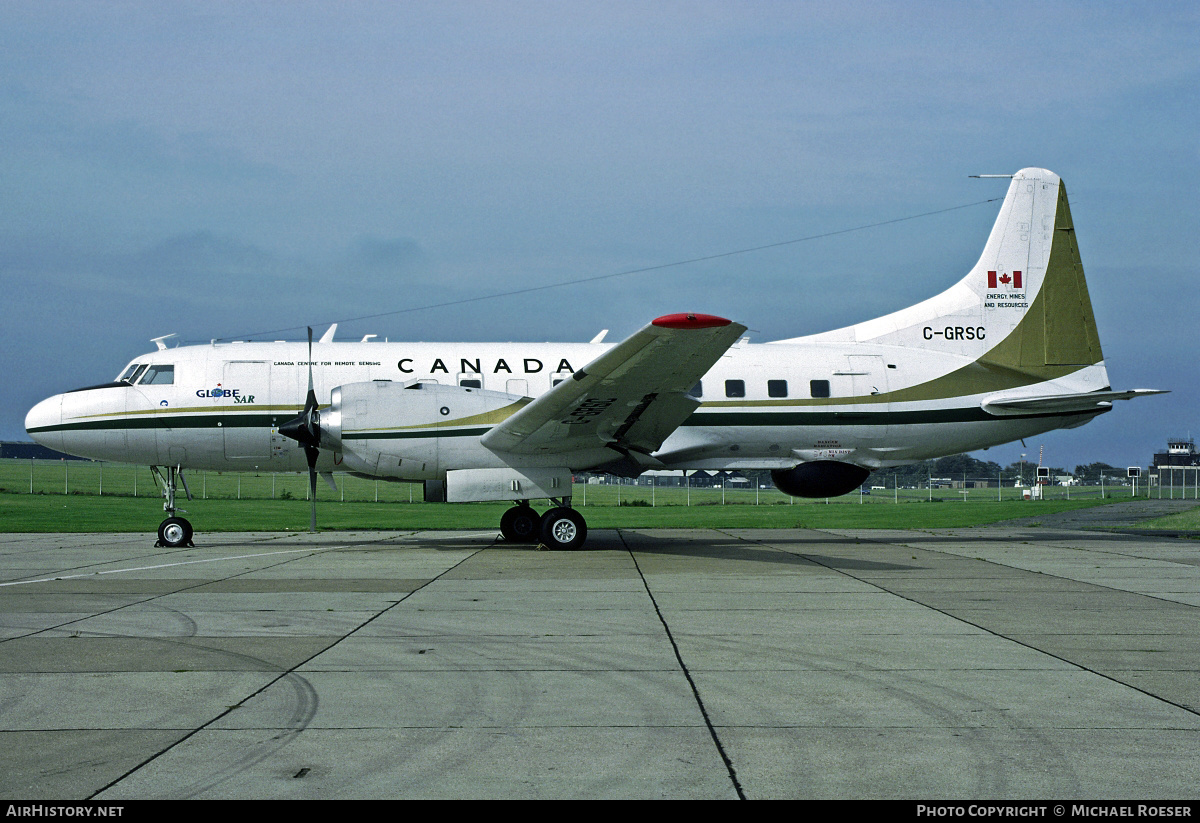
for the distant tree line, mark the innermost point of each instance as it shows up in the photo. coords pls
(956, 466)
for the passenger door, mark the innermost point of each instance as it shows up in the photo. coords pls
(247, 387)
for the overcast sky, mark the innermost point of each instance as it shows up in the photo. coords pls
(242, 169)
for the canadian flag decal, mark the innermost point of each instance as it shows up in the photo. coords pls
(1013, 281)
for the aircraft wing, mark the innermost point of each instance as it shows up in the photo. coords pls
(1066, 403)
(630, 398)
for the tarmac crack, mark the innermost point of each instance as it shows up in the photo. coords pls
(895, 591)
(302, 712)
(716, 738)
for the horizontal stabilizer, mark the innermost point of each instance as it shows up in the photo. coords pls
(1060, 403)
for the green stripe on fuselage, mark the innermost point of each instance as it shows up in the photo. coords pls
(405, 435)
(744, 417)
(865, 418)
(190, 421)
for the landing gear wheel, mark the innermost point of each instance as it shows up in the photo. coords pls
(520, 524)
(563, 529)
(174, 532)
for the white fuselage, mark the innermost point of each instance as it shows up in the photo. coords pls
(1009, 351)
(226, 401)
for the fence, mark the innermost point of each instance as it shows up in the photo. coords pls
(97, 478)
(1176, 482)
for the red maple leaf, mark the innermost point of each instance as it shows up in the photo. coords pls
(1005, 279)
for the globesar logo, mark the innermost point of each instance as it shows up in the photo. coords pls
(236, 394)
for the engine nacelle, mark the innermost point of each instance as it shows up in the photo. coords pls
(413, 432)
(820, 478)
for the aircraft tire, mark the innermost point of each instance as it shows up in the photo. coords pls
(174, 532)
(520, 524)
(563, 529)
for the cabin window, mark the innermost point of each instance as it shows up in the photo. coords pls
(697, 390)
(818, 388)
(159, 376)
(776, 388)
(471, 383)
(735, 388)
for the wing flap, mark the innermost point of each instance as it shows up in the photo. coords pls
(630, 398)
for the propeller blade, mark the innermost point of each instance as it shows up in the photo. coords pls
(305, 429)
(311, 393)
(313, 430)
(311, 453)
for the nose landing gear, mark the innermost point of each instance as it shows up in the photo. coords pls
(174, 532)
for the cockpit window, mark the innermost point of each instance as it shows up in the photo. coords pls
(159, 375)
(132, 373)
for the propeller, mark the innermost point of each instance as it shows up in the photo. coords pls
(305, 429)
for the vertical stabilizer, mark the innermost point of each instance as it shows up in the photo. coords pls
(1044, 310)
(1069, 326)
(1024, 306)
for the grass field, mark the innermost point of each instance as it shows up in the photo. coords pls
(1184, 521)
(75, 477)
(85, 513)
(86, 497)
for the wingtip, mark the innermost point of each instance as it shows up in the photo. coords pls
(689, 320)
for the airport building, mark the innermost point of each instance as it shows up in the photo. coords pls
(1178, 467)
(1180, 452)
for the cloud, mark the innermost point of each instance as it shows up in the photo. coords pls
(219, 169)
(388, 256)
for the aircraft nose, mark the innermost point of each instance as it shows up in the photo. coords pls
(43, 423)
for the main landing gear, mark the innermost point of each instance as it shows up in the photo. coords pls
(560, 528)
(173, 532)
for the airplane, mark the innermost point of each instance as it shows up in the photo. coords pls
(1008, 352)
